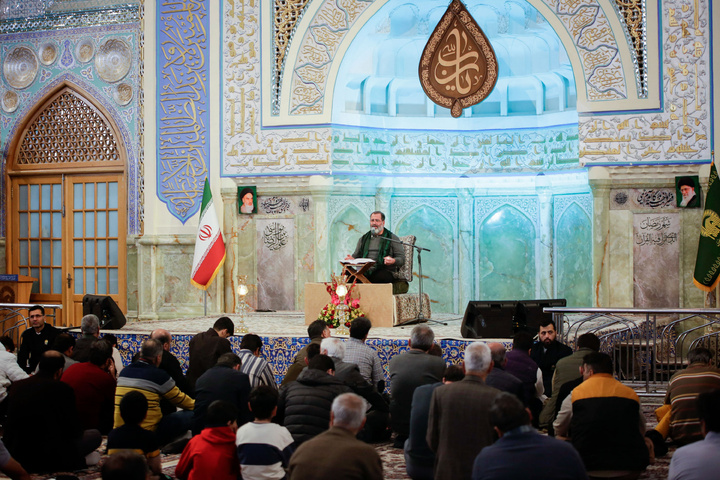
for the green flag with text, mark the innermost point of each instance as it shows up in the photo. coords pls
(707, 265)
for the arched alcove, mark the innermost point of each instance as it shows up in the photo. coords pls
(573, 237)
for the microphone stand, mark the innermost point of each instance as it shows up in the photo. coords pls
(419, 318)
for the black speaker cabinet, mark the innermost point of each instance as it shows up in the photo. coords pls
(503, 318)
(110, 315)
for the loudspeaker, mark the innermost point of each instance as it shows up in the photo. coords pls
(110, 315)
(503, 318)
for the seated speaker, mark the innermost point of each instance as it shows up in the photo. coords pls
(105, 308)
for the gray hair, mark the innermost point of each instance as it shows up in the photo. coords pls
(477, 358)
(422, 337)
(151, 348)
(90, 324)
(334, 346)
(348, 411)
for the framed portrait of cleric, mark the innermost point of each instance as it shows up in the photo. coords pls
(687, 191)
(247, 200)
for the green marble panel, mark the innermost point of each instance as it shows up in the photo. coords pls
(434, 232)
(574, 257)
(346, 230)
(507, 256)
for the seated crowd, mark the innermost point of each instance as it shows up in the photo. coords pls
(229, 419)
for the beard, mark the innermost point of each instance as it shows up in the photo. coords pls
(686, 199)
(375, 230)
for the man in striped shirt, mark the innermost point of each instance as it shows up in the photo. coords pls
(679, 418)
(255, 367)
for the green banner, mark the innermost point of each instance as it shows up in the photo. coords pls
(707, 265)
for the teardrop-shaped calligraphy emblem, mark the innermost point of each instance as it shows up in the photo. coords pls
(458, 67)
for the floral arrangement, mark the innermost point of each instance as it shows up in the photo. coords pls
(330, 314)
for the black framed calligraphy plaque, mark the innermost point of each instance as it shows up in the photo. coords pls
(458, 67)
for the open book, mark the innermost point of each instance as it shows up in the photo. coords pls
(357, 261)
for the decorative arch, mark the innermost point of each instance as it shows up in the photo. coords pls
(326, 29)
(346, 227)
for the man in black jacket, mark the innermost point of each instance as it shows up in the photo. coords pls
(35, 340)
(206, 347)
(225, 382)
(304, 405)
(547, 352)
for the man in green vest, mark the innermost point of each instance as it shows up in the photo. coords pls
(377, 245)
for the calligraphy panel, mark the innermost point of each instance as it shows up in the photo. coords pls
(679, 132)
(183, 150)
(656, 260)
(275, 263)
(643, 198)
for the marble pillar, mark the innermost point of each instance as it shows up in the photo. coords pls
(464, 279)
(320, 189)
(544, 273)
(600, 185)
(656, 252)
(275, 263)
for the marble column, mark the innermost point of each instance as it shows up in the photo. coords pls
(320, 189)
(466, 241)
(147, 305)
(545, 282)
(229, 212)
(600, 185)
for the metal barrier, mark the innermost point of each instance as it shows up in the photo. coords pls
(13, 312)
(647, 345)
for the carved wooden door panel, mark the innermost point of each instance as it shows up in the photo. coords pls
(67, 205)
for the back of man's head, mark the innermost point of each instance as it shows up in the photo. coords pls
(161, 335)
(435, 350)
(453, 373)
(589, 340)
(51, 362)
(348, 411)
(700, 355)
(228, 359)
(359, 328)
(100, 352)
(312, 351)
(508, 413)
(133, 407)
(477, 358)
(707, 407)
(263, 400)
(63, 342)
(334, 346)
(522, 341)
(125, 465)
(422, 337)
(321, 362)
(251, 342)
(90, 324)
(598, 362)
(150, 349)
(220, 413)
(316, 329)
(8, 343)
(497, 352)
(224, 323)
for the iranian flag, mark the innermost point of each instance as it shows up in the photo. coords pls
(209, 244)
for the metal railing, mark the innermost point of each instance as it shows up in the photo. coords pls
(14, 321)
(647, 345)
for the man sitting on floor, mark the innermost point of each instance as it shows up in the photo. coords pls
(206, 347)
(94, 385)
(90, 328)
(605, 422)
(336, 453)
(678, 417)
(547, 351)
(366, 358)
(499, 378)
(317, 331)
(145, 377)
(36, 340)
(304, 405)
(521, 452)
(253, 365)
(43, 429)
(700, 460)
(409, 370)
(520, 364)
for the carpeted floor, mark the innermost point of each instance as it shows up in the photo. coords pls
(394, 462)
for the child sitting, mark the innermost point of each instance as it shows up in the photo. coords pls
(264, 448)
(211, 454)
(131, 436)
